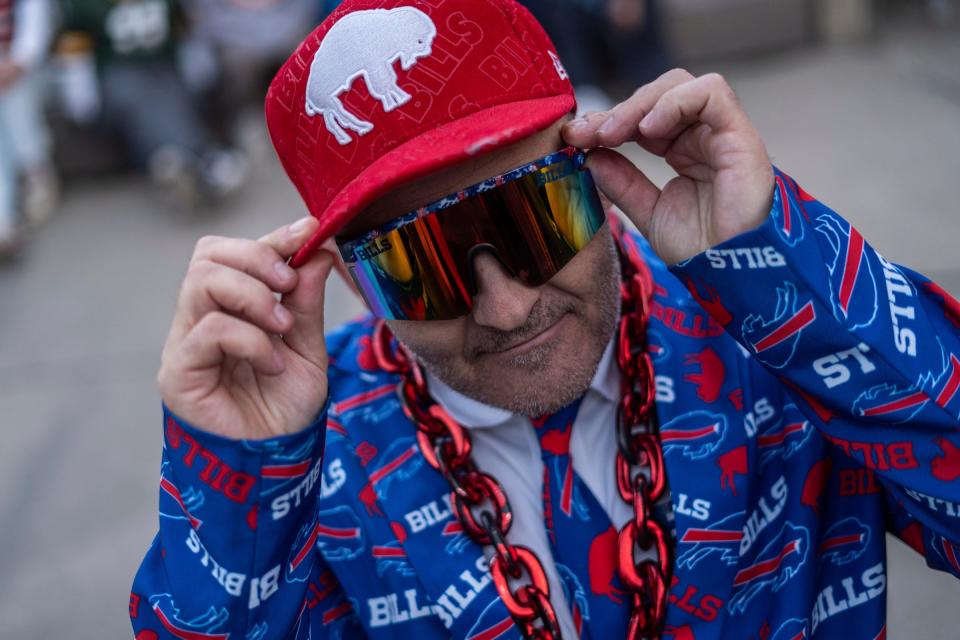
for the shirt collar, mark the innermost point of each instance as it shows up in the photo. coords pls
(475, 414)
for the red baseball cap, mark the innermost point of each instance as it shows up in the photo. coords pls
(386, 91)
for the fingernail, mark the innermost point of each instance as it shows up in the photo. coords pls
(282, 315)
(284, 271)
(300, 225)
(576, 124)
(647, 120)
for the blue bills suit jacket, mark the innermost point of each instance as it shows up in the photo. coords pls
(807, 391)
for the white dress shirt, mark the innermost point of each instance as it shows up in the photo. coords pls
(505, 446)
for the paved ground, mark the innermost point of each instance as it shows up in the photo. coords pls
(873, 130)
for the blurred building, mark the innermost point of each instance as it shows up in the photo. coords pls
(610, 47)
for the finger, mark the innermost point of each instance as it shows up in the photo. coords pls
(219, 335)
(685, 155)
(287, 240)
(708, 99)
(255, 258)
(305, 302)
(211, 286)
(619, 125)
(623, 124)
(625, 185)
(657, 147)
(687, 140)
(581, 131)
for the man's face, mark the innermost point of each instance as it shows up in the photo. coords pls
(530, 350)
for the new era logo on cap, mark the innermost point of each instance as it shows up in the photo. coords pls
(386, 91)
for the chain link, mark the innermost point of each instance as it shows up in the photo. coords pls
(483, 509)
(645, 562)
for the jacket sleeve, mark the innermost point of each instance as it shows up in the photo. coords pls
(235, 555)
(868, 349)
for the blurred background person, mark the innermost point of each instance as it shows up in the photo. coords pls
(144, 99)
(234, 48)
(27, 180)
(607, 46)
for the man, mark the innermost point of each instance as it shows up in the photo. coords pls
(242, 44)
(25, 30)
(135, 44)
(561, 440)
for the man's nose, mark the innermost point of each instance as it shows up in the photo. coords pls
(502, 302)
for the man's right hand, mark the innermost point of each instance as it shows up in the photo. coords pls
(237, 362)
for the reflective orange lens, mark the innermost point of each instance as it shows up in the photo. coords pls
(534, 219)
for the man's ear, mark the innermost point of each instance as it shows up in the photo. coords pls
(340, 267)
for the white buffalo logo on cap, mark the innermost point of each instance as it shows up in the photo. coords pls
(366, 43)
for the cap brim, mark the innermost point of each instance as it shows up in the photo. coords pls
(470, 136)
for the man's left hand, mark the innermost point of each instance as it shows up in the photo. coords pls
(724, 184)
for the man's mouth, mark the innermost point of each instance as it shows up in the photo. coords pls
(530, 341)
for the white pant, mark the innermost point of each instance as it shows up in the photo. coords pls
(24, 139)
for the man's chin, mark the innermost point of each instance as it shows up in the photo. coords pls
(537, 381)
(545, 394)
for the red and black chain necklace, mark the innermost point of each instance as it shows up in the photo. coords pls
(482, 507)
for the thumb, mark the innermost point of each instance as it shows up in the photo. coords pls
(624, 185)
(305, 302)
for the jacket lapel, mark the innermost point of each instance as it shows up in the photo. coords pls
(404, 491)
(706, 451)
